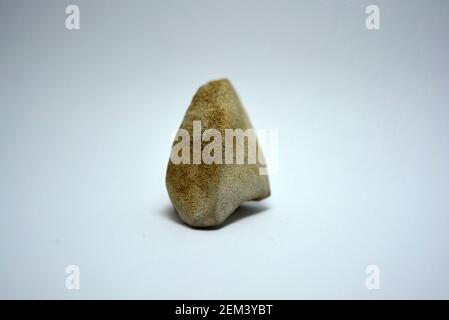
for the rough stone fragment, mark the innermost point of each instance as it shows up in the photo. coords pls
(204, 195)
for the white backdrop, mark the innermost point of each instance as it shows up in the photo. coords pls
(85, 123)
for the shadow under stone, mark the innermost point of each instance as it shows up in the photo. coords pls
(244, 211)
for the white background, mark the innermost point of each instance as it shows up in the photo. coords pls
(85, 124)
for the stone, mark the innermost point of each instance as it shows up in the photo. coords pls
(206, 187)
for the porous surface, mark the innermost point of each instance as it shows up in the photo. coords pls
(204, 195)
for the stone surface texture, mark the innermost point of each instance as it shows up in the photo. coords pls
(205, 195)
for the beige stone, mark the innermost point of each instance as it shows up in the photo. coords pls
(204, 195)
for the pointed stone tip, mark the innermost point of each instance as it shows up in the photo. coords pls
(221, 91)
(219, 83)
